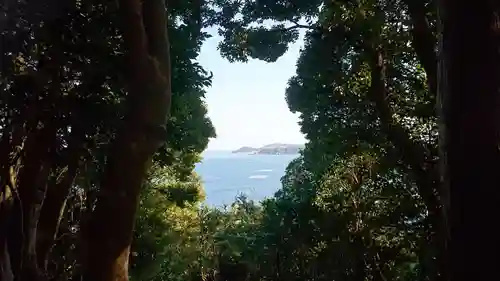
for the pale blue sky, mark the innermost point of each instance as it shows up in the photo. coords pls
(247, 100)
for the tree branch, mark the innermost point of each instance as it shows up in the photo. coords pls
(55, 199)
(413, 153)
(109, 231)
(424, 42)
(297, 25)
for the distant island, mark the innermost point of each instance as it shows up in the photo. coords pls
(275, 149)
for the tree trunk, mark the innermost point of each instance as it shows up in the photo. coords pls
(25, 212)
(5, 209)
(469, 86)
(419, 159)
(55, 200)
(109, 232)
(359, 263)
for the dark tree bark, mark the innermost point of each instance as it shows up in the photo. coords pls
(469, 86)
(5, 210)
(55, 200)
(26, 209)
(13, 137)
(232, 271)
(421, 162)
(109, 233)
(424, 42)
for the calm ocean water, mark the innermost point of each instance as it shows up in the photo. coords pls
(225, 175)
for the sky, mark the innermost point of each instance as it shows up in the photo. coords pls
(246, 101)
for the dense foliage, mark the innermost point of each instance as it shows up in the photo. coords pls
(102, 120)
(360, 203)
(76, 133)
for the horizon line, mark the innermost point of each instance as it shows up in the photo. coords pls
(238, 147)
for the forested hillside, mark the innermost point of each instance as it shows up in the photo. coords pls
(103, 118)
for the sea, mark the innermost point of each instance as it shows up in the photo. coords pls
(226, 175)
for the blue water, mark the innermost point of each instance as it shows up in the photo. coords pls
(226, 175)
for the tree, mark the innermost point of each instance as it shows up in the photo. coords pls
(368, 67)
(167, 232)
(63, 98)
(469, 101)
(148, 61)
(86, 89)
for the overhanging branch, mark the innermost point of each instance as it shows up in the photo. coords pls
(414, 154)
(423, 41)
